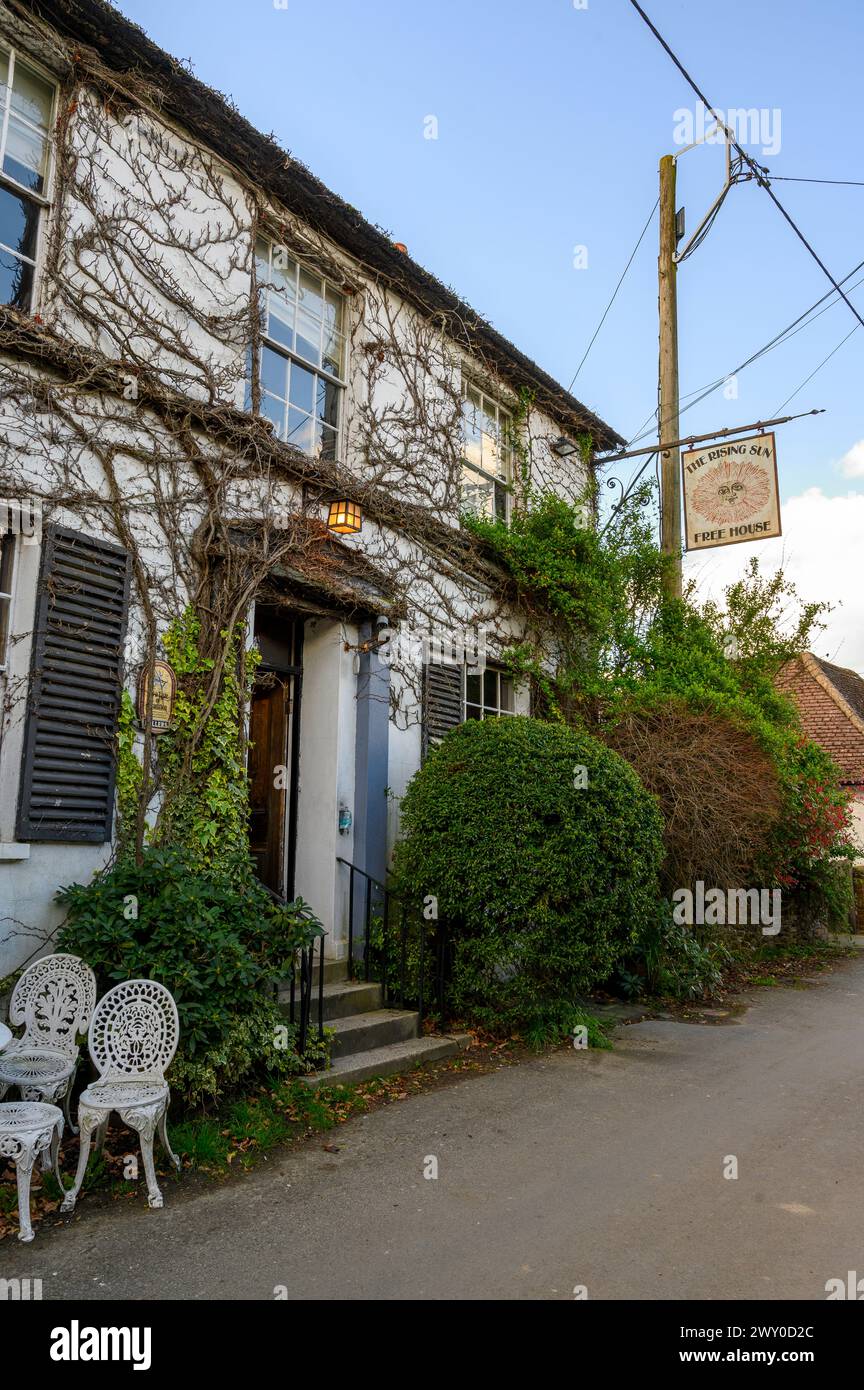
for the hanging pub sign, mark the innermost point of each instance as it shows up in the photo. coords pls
(164, 689)
(730, 492)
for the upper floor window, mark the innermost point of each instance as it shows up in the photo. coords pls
(7, 556)
(487, 449)
(303, 352)
(26, 110)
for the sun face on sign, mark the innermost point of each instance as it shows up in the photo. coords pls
(731, 491)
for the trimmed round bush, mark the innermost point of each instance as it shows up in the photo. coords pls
(542, 849)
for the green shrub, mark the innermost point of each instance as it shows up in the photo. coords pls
(680, 965)
(215, 938)
(543, 882)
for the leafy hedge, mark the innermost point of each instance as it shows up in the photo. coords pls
(215, 938)
(608, 645)
(544, 882)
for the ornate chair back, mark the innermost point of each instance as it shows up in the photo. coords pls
(54, 1000)
(134, 1032)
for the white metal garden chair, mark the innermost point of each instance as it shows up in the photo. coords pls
(132, 1039)
(54, 1000)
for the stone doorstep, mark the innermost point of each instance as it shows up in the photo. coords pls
(392, 1060)
(367, 1039)
(340, 999)
(371, 1031)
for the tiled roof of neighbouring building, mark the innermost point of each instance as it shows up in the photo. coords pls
(830, 701)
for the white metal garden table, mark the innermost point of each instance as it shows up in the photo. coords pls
(30, 1130)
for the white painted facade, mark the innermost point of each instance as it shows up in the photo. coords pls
(165, 197)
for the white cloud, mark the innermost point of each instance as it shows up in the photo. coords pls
(852, 464)
(822, 552)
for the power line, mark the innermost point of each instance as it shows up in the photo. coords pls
(796, 326)
(614, 293)
(759, 173)
(788, 178)
(819, 368)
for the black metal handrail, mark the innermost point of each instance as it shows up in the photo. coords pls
(303, 966)
(396, 924)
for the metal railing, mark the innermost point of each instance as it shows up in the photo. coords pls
(300, 1002)
(393, 944)
(304, 970)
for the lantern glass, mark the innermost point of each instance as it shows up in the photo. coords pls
(345, 518)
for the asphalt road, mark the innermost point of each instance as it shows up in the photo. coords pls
(602, 1170)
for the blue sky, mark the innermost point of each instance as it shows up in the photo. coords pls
(550, 123)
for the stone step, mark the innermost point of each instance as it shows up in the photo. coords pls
(376, 1029)
(335, 972)
(392, 1060)
(339, 1000)
(348, 997)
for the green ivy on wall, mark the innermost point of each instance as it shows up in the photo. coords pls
(203, 765)
(130, 776)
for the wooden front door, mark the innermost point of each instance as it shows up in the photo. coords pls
(270, 778)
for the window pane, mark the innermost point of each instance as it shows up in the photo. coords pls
(477, 493)
(31, 97)
(327, 402)
(24, 159)
(4, 78)
(7, 547)
(16, 282)
(334, 347)
(308, 337)
(507, 694)
(490, 688)
(262, 260)
(300, 430)
(333, 311)
(283, 275)
(311, 295)
(328, 443)
(472, 689)
(500, 503)
(473, 712)
(280, 322)
(274, 372)
(274, 410)
(472, 452)
(302, 390)
(471, 434)
(19, 223)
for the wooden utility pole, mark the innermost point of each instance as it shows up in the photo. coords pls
(670, 458)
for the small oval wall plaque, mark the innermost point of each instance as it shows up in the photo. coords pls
(164, 689)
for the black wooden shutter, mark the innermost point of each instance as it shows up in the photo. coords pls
(67, 779)
(442, 701)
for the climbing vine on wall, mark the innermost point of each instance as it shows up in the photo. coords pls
(586, 595)
(130, 775)
(205, 805)
(120, 398)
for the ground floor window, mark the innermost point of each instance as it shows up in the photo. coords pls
(452, 694)
(488, 694)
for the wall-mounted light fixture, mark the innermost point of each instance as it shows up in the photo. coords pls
(564, 447)
(345, 518)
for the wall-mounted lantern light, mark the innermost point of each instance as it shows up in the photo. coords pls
(564, 447)
(345, 518)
